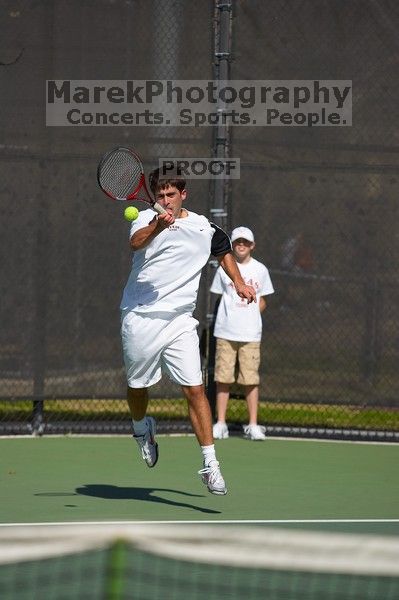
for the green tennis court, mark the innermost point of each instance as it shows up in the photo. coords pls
(329, 485)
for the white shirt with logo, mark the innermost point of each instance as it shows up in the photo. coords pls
(237, 320)
(165, 274)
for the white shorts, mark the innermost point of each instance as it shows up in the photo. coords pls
(153, 345)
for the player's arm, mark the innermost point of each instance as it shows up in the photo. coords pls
(143, 236)
(222, 250)
(229, 265)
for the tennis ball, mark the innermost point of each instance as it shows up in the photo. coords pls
(131, 213)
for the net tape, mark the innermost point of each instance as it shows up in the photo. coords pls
(270, 548)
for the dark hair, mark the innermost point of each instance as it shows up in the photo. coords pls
(159, 179)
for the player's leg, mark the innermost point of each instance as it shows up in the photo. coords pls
(248, 376)
(200, 413)
(144, 428)
(225, 360)
(181, 360)
(142, 362)
(137, 399)
(201, 420)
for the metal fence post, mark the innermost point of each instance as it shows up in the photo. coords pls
(41, 280)
(221, 150)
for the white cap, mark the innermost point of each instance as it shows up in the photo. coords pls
(242, 232)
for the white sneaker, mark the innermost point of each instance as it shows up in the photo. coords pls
(220, 431)
(147, 444)
(212, 478)
(254, 432)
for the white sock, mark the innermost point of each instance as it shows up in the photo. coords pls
(208, 453)
(140, 427)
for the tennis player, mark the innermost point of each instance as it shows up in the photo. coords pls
(159, 333)
(238, 331)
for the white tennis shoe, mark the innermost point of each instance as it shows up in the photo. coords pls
(255, 432)
(147, 444)
(212, 478)
(220, 431)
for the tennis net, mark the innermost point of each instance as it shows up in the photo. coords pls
(139, 561)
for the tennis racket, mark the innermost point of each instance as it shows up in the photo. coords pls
(120, 175)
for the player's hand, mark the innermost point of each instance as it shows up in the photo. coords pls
(246, 292)
(164, 220)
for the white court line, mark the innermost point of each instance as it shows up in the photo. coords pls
(163, 435)
(215, 522)
(333, 441)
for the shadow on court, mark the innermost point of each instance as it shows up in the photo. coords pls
(114, 492)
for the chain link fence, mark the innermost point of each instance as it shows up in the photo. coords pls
(321, 201)
(323, 205)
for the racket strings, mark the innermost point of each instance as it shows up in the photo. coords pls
(120, 174)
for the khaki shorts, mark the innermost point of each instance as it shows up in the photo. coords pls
(248, 360)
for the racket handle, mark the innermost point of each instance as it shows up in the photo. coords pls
(160, 209)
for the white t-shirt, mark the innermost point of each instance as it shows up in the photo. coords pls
(165, 274)
(237, 320)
